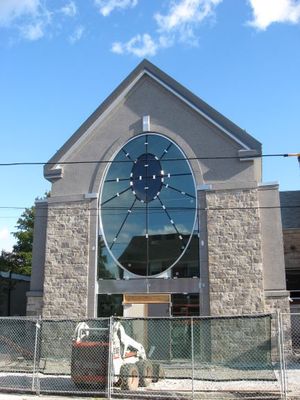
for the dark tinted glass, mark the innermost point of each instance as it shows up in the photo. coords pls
(109, 305)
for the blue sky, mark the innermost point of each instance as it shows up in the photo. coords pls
(59, 59)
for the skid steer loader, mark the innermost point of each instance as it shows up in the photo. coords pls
(90, 358)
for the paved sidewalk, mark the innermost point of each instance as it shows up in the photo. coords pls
(15, 396)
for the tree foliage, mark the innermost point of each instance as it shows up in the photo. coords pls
(19, 260)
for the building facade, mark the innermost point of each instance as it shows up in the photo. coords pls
(290, 215)
(157, 208)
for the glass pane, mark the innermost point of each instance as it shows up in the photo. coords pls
(148, 205)
(109, 305)
(121, 169)
(188, 266)
(135, 147)
(107, 267)
(185, 305)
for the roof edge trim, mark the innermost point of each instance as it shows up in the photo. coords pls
(198, 110)
(147, 68)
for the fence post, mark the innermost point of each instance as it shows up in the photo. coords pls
(35, 356)
(110, 359)
(281, 355)
(192, 348)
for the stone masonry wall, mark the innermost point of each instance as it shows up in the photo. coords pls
(282, 304)
(234, 252)
(67, 260)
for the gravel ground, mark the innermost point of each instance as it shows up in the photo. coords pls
(172, 387)
(15, 396)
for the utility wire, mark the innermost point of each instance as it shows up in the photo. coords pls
(59, 208)
(154, 210)
(180, 208)
(10, 164)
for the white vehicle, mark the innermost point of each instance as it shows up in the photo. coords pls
(90, 358)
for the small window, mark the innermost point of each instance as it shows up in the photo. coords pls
(185, 305)
(109, 305)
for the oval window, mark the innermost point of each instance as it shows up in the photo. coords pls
(148, 205)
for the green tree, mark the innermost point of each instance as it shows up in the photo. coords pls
(19, 260)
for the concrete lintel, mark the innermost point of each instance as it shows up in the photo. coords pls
(268, 185)
(54, 174)
(247, 155)
(277, 293)
(67, 198)
(34, 293)
(233, 185)
(91, 195)
(40, 202)
(204, 186)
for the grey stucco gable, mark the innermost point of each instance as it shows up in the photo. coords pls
(145, 67)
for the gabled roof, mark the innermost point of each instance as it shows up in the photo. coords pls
(246, 141)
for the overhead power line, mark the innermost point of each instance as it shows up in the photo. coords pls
(59, 208)
(247, 157)
(154, 210)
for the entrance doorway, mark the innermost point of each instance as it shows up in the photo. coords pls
(144, 330)
(146, 305)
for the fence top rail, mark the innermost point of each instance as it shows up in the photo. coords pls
(20, 318)
(244, 316)
(75, 319)
(170, 318)
(291, 313)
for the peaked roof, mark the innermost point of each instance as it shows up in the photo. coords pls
(146, 68)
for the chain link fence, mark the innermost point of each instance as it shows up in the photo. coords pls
(290, 324)
(184, 358)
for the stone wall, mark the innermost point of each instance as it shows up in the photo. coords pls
(66, 261)
(273, 304)
(234, 252)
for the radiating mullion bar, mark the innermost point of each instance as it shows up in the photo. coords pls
(127, 155)
(116, 195)
(165, 151)
(123, 223)
(178, 190)
(145, 177)
(171, 220)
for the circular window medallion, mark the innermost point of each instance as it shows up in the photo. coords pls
(148, 205)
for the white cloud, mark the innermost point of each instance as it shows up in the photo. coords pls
(139, 45)
(12, 9)
(266, 12)
(29, 17)
(33, 31)
(77, 34)
(184, 16)
(107, 6)
(33, 19)
(179, 23)
(69, 9)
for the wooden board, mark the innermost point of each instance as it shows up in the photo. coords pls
(146, 298)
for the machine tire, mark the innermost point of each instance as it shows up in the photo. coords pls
(146, 372)
(158, 372)
(129, 375)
